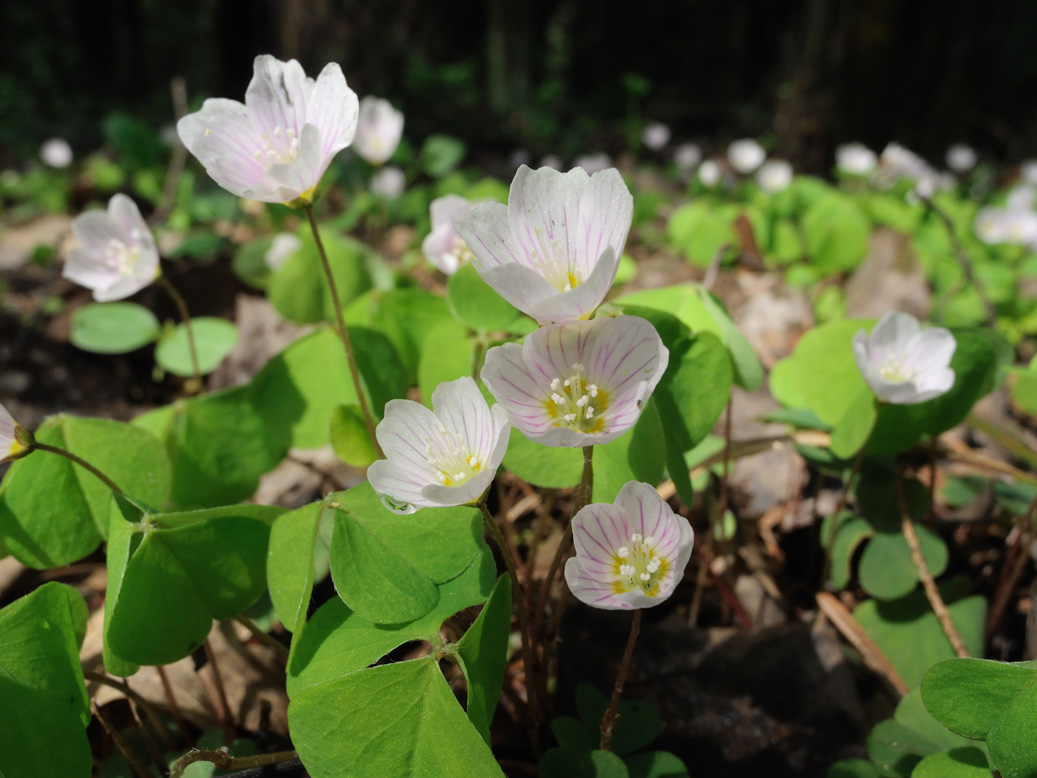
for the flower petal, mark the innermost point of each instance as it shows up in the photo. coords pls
(487, 233)
(462, 409)
(333, 109)
(305, 171)
(521, 286)
(891, 335)
(580, 302)
(223, 138)
(277, 95)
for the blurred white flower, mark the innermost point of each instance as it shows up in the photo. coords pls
(655, 136)
(379, 128)
(283, 246)
(276, 146)
(443, 247)
(116, 256)
(1028, 171)
(594, 163)
(56, 152)
(961, 158)
(1006, 225)
(710, 172)
(902, 363)
(774, 175)
(897, 161)
(687, 157)
(389, 182)
(552, 161)
(855, 159)
(518, 158)
(745, 155)
(1020, 198)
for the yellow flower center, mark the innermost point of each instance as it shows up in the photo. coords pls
(552, 259)
(450, 455)
(638, 566)
(576, 404)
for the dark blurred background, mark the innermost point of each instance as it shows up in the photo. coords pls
(556, 76)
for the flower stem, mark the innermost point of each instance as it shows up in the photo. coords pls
(932, 593)
(37, 446)
(225, 761)
(343, 332)
(583, 496)
(520, 609)
(608, 721)
(185, 317)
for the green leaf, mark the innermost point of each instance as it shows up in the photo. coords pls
(299, 289)
(979, 698)
(896, 749)
(690, 406)
(636, 455)
(385, 566)
(53, 512)
(963, 762)
(297, 391)
(395, 719)
(447, 354)
(113, 328)
(853, 768)
(219, 444)
(699, 230)
(349, 436)
(249, 262)
(851, 432)
(603, 764)
(482, 653)
(909, 634)
(440, 154)
(171, 574)
(656, 764)
(887, 571)
(214, 339)
(836, 233)
(46, 710)
(290, 569)
(477, 305)
(549, 467)
(849, 534)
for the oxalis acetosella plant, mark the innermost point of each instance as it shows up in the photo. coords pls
(529, 447)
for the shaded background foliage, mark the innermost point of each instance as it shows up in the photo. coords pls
(552, 75)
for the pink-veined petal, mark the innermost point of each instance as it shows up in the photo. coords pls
(223, 138)
(519, 285)
(276, 98)
(438, 248)
(606, 211)
(305, 171)
(449, 209)
(518, 388)
(487, 233)
(460, 406)
(580, 302)
(333, 109)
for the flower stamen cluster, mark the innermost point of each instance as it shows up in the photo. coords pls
(274, 148)
(552, 260)
(577, 403)
(639, 566)
(452, 457)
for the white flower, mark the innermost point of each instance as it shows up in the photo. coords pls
(554, 249)
(1006, 225)
(1028, 172)
(56, 152)
(389, 182)
(276, 146)
(686, 157)
(15, 440)
(630, 554)
(774, 175)
(710, 173)
(900, 162)
(961, 158)
(577, 384)
(594, 163)
(283, 246)
(444, 247)
(446, 456)
(855, 159)
(745, 155)
(1020, 198)
(116, 256)
(378, 130)
(902, 363)
(552, 161)
(655, 136)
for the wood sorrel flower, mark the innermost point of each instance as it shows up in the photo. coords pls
(630, 554)
(855, 159)
(116, 256)
(446, 456)
(15, 440)
(276, 146)
(378, 130)
(444, 247)
(579, 383)
(902, 363)
(745, 155)
(553, 250)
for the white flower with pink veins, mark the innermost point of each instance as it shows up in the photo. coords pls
(902, 363)
(276, 146)
(554, 249)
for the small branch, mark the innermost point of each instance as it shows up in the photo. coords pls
(37, 446)
(219, 698)
(727, 457)
(520, 610)
(185, 317)
(174, 706)
(608, 721)
(263, 637)
(128, 753)
(907, 526)
(343, 333)
(225, 761)
(851, 629)
(840, 506)
(725, 591)
(1017, 558)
